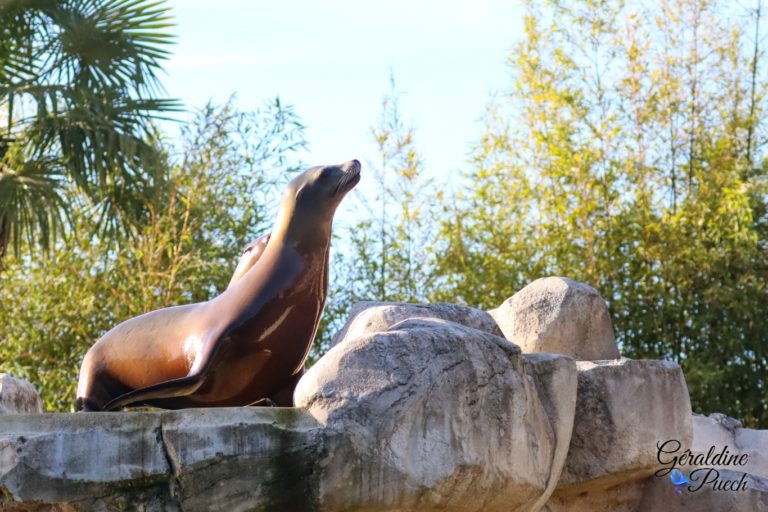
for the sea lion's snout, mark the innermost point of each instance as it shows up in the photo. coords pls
(352, 165)
(351, 176)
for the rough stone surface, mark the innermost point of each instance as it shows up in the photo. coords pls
(555, 380)
(369, 317)
(559, 315)
(90, 459)
(246, 459)
(197, 459)
(18, 396)
(622, 497)
(440, 416)
(719, 430)
(624, 408)
(660, 495)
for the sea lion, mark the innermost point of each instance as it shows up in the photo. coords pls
(245, 346)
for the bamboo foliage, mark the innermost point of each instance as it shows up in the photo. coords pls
(631, 155)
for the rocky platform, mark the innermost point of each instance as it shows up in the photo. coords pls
(416, 407)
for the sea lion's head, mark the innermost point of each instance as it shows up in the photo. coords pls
(311, 197)
(323, 187)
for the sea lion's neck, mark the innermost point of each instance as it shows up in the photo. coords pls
(303, 231)
(315, 246)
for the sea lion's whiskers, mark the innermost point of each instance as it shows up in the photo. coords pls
(343, 182)
(348, 177)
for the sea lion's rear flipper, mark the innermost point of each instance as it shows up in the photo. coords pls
(168, 389)
(284, 396)
(182, 386)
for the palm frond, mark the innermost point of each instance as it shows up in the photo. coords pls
(32, 207)
(85, 73)
(17, 31)
(99, 135)
(109, 43)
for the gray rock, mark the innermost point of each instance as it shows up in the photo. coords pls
(439, 416)
(368, 317)
(623, 409)
(721, 419)
(719, 431)
(244, 459)
(558, 315)
(99, 460)
(18, 396)
(191, 460)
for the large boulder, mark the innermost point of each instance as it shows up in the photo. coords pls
(439, 416)
(368, 317)
(558, 315)
(624, 409)
(18, 396)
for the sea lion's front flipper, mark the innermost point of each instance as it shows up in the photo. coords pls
(249, 258)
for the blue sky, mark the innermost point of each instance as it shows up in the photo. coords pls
(332, 60)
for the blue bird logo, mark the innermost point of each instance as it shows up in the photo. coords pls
(679, 479)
